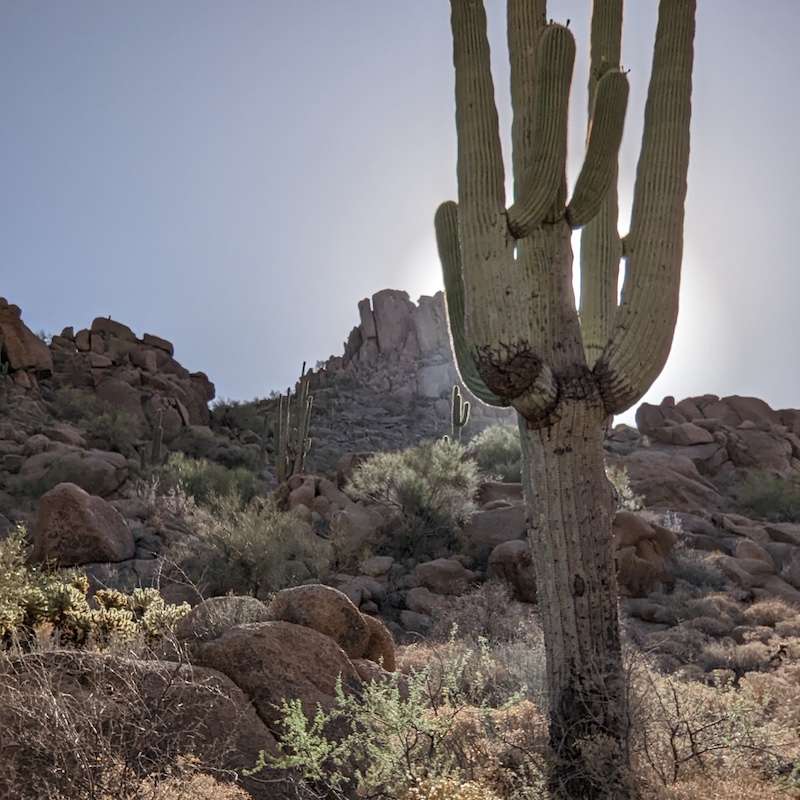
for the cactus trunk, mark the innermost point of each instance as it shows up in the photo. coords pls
(570, 535)
(520, 341)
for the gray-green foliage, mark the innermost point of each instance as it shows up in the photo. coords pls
(498, 451)
(625, 499)
(206, 480)
(395, 735)
(765, 495)
(428, 490)
(255, 550)
(106, 426)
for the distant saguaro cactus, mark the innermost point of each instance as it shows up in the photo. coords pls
(519, 339)
(459, 414)
(291, 430)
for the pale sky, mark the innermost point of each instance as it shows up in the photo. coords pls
(235, 176)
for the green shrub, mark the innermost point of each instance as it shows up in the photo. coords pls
(239, 415)
(255, 550)
(206, 480)
(414, 736)
(428, 490)
(498, 451)
(106, 426)
(763, 495)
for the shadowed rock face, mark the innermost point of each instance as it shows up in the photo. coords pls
(74, 528)
(271, 661)
(21, 348)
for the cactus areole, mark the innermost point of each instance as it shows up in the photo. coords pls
(520, 340)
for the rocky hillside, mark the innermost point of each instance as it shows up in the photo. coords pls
(81, 415)
(706, 536)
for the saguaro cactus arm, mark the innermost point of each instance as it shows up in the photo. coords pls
(446, 224)
(645, 320)
(599, 169)
(544, 174)
(601, 245)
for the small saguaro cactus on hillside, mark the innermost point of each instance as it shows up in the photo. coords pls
(291, 431)
(520, 341)
(459, 414)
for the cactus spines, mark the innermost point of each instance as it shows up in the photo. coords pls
(459, 414)
(519, 339)
(291, 431)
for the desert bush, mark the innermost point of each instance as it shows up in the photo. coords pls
(428, 490)
(239, 415)
(761, 494)
(769, 611)
(415, 736)
(206, 480)
(624, 497)
(697, 567)
(100, 728)
(106, 426)
(499, 641)
(683, 730)
(255, 550)
(498, 451)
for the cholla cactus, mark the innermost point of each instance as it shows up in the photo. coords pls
(520, 341)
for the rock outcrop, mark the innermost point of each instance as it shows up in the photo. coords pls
(20, 348)
(75, 528)
(140, 376)
(719, 435)
(392, 385)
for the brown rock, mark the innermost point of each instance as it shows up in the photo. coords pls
(668, 480)
(380, 647)
(766, 449)
(272, 661)
(684, 434)
(642, 548)
(144, 358)
(22, 349)
(513, 562)
(650, 418)
(74, 528)
(203, 387)
(303, 494)
(443, 575)
(326, 610)
(109, 327)
(421, 600)
(97, 471)
(158, 343)
(121, 395)
(748, 549)
(393, 312)
(488, 528)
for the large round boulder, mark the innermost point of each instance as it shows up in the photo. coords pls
(75, 528)
(276, 661)
(326, 610)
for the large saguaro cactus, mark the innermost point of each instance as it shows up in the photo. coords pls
(520, 341)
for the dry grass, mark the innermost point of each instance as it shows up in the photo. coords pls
(86, 726)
